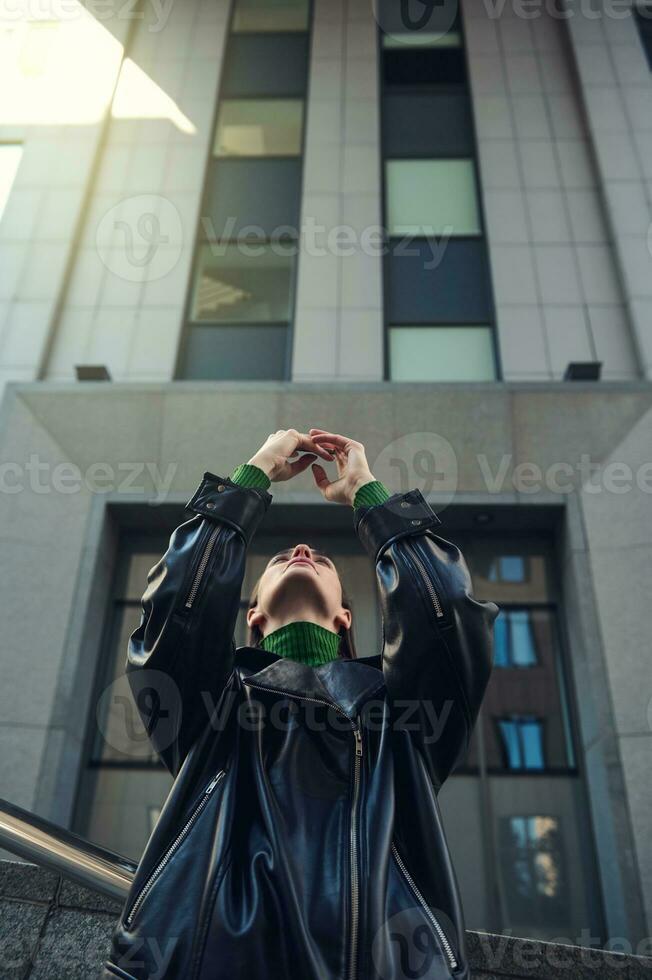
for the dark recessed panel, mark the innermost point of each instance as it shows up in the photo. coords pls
(455, 289)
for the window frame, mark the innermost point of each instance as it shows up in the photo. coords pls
(519, 721)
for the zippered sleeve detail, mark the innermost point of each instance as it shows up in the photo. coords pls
(219, 498)
(437, 651)
(180, 655)
(399, 515)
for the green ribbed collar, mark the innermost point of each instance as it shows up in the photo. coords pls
(307, 642)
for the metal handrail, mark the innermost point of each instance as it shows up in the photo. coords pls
(50, 846)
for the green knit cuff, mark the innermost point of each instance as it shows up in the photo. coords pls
(249, 475)
(374, 492)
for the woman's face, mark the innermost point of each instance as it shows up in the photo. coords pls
(299, 583)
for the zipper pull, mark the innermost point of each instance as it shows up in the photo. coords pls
(358, 741)
(214, 781)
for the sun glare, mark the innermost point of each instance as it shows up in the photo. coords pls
(69, 69)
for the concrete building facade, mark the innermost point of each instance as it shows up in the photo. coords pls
(121, 130)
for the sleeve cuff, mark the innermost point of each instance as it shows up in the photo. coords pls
(249, 475)
(222, 500)
(374, 492)
(401, 515)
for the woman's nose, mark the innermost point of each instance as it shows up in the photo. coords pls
(301, 549)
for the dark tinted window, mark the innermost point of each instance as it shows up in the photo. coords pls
(263, 193)
(427, 124)
(424, 66)
(271, 64)
(455, 291)
(248, 352)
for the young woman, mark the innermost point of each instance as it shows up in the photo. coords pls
(302, 837)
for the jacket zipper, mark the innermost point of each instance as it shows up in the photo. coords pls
(448, 950)
(432, 592)
(176, 843)
(201, 568)
(355, 882)
(353, 835)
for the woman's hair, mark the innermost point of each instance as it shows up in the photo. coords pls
(347, 649)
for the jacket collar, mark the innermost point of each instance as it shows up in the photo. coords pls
(347, 683)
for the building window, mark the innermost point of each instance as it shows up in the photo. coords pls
(437, 65)
(245, 284)
(442, 282)
(259, 127)
(532, 870)
(515, 639)
(449, 130)
(270, 15)
(522, 742)
(438, 297)
(272, 65)
(252, 194)
(643, 13)
(509, 568)
(10, 155)
(439, 353)
(431, 197)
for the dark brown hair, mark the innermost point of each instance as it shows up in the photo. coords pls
(347, 649)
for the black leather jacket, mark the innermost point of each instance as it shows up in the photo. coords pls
(302, 837)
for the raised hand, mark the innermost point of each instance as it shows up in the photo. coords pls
(352, 466)
(274, 455)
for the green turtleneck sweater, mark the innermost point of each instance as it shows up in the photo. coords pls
(307, 642)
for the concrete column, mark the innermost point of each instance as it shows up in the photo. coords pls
(338, 331)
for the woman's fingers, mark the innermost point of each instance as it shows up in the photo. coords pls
(307, 444)
(341, 442)
(321, 479)
(301, 464)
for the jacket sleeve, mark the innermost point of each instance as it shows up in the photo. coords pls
(437, 651)
(180, 656)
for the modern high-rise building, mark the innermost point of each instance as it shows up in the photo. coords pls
(428, 229)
